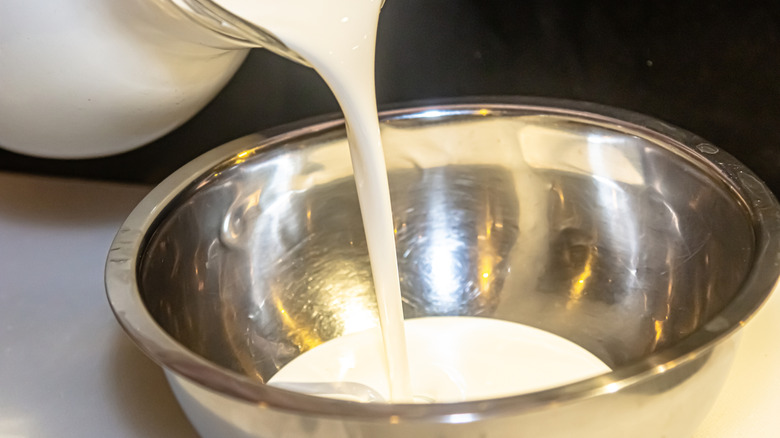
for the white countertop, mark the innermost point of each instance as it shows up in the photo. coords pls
(67, 370)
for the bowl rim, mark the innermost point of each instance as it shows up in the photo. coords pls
(758, 201)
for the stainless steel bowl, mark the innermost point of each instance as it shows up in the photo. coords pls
(639, 241)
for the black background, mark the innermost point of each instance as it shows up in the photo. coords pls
(712, 67)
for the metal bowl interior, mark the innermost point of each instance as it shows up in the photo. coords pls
(636, 240)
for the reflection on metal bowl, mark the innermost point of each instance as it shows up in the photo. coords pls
(636, 240)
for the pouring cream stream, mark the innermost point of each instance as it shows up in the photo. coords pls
(338, 38)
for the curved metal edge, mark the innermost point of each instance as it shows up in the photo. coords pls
(126, 303)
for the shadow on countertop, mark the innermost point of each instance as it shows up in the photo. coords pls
(62, 203)
(143, 396)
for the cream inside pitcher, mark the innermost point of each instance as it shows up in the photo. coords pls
(89, 78)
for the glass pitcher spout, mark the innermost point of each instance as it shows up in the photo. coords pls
(222, 22)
